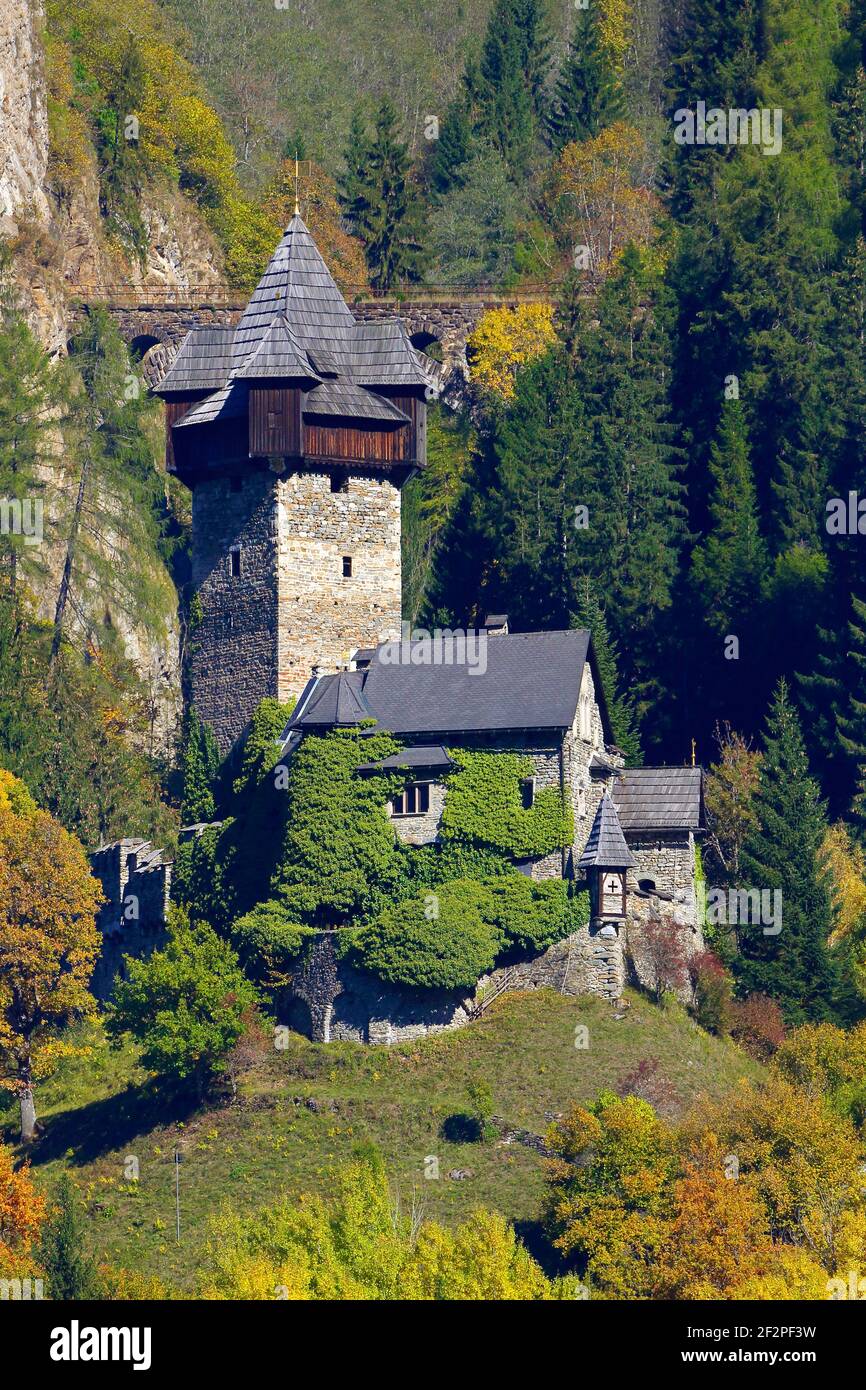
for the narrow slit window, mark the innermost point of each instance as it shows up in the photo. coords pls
(527, 792)
(347, 567)
(235, 562)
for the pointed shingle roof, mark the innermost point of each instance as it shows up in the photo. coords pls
(606, 847)
(297, 284)
(298, 326)
(278, 354)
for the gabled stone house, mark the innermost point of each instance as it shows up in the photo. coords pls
(538, 695)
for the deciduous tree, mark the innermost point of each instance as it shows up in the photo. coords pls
(48, 947)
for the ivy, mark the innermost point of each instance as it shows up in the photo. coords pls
(261, 750)
(483, 807)
(447, 944)
(269, 943)
(309, 844)
(339, 860)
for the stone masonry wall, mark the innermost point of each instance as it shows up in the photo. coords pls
(340, 1003)
(423, 829)
(137, 885)
(324, 615)
(669, 861)
(233, 652)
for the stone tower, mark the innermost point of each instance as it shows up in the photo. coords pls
(295, 431)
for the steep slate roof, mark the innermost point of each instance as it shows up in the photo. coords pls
(297, 326)
(606, 847)
(531, 680)
(659, 798)
(332, 700)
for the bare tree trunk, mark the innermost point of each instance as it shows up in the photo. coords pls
(66, 577)
(28, 1115)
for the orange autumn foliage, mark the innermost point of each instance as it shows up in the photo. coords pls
(22, 1212)
(343, 254)
(48, 941)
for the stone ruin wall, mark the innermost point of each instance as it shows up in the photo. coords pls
(137, 887)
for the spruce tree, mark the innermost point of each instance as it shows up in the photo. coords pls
(199, 766)
(508, 84)
(794, 965)
(587, 96)
(453, 149)
(620, 706)
(381, 200)
(70, 1272)
(730, 564)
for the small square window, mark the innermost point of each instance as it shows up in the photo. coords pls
(235, 563)
(347, 567)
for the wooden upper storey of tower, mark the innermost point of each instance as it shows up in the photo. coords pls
(298, 378)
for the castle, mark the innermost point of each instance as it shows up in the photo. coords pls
(295, 432)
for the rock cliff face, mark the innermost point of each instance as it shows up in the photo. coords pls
(60, 249)
(61, 254)
(23, 115)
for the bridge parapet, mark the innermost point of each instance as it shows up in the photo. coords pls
(155, 321)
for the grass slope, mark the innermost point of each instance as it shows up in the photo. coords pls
(303, 1110)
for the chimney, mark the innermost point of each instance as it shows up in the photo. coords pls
(496, 625)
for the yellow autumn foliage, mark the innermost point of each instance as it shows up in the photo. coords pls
(504, 341)
(845, 864)
(601, 200)
(358, 1245)
(615, 18)
(180, 136)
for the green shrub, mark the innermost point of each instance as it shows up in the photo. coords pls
(439, 941)
(269, 943)
(185, 1004)
(532, 916)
